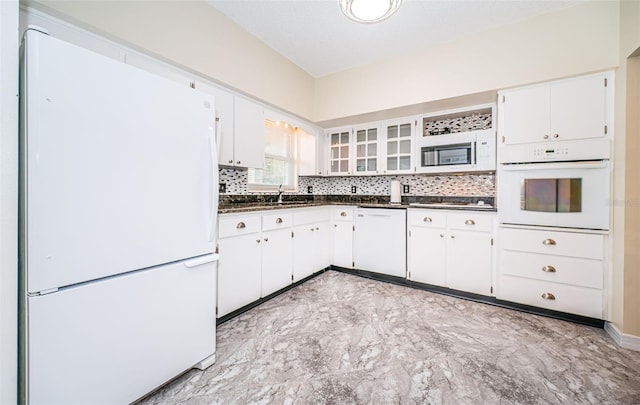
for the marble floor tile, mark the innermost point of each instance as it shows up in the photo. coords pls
(343, 339)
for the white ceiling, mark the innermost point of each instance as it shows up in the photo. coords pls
(316, 36)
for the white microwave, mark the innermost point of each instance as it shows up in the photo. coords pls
(567, 194)
(457, 152)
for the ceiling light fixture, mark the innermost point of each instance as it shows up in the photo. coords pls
(369, 11)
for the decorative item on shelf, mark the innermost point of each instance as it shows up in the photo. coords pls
(369, 11)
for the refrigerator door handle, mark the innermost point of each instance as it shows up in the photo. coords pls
(199, 261)
(213, 151)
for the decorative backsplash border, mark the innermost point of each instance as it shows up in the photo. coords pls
(419, 184)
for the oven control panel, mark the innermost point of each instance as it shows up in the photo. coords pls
(551, 153)
(557, 151)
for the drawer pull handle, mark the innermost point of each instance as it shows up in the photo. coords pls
(549, 269)
(469, 222)
(343, 214)
(279, 221)
(548, 296)
(427, 219)
(241, 225)
(548, 242)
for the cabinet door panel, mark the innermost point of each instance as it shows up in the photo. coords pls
(578, 108)
(249, 134)
(469, 261)
(277, 260)
(239, 277)
(343, 244)
(322, 246)
(427, 256)
(303, 251)
(526, 115)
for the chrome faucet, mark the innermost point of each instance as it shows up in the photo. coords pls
(280, 194)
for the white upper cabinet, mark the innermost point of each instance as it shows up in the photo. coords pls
(239, 128)
(398, 135)
(339, 145)
(249, 134)
(367, 139)
(570, 109)
(307, 153)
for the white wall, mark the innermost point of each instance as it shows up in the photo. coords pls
(625, 288)
(569, 42)
(198, 37)
(8, 199)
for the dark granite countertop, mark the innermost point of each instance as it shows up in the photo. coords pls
(249, 203)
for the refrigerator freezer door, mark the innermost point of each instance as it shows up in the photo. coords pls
(119, 167)
(115, 340)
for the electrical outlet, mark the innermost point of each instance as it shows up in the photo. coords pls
(309, 189)
(405, 188)
(353, 189)
(222, 188)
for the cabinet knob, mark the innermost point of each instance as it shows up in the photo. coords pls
(312, 229)
(427, 219)
(548, 296)
(442, 235)
(453, 236)
(548, 242)
(279, 221)
(343, 214)
(546, 136)
(241, 225)
(231, 161)
(258, 240)
(335, 226)
(556, 136)
(317, 229)
(469, 222)
(266, 239)
(549, 269)
(238, 162)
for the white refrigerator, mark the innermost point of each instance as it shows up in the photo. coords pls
(119, 203)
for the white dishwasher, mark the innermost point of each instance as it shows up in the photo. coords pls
(380, 241)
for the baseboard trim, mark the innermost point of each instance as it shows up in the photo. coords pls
(623, 340)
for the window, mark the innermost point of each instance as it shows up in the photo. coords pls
(279, 159)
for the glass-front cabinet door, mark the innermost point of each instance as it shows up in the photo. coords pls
(339, 151)
(399, 135)
(366, 145)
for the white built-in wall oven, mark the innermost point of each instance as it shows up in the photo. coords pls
(562, 186)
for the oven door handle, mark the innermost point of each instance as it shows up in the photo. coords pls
(555, 165)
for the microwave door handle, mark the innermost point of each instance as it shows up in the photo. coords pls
(473, 153)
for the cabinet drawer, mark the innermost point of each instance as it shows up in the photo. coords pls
(426, 218)
(470, 221)
(583, 245)
(310, 215)
(343, 213)
(238, 225)
(559, 269)
(568, 298)
(276, 221)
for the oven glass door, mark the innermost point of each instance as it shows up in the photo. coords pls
(572, 195)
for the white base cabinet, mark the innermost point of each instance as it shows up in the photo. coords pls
(311, 242)
(277, 260)
(451, 249)
(239, 266)
(557, 270)
(342, 236)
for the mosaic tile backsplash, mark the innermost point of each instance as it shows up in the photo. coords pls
(461, 124)
(419, 184)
